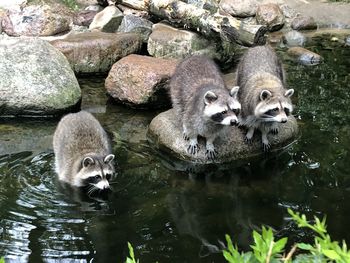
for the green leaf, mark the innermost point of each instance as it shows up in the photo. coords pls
(279, 245)
(131, 251)
(305, 246)
(331, 254)
(2, 260)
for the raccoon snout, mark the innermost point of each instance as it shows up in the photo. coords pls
(284, 120)
(234, 123)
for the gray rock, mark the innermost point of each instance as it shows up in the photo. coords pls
(135, 24)
(169, 42)
(210, 5)
(108, 20)
(141, 81)
(239, 8)
(294, 38)
(96, 52)
(304, 23)
(96, 8)
(304, 56)
(347, 41)
(166, 131)
(35, 79)
(270, 15)
(84, 17)
(37, 20)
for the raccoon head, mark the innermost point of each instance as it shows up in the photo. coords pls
(95, 173)
(272, 108)
(222, 107)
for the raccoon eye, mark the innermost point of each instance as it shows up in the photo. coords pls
(96, 177)
(108, 177)
(236, 111)
(224, 112)
(275, 109)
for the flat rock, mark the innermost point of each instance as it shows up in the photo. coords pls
(108, 20)
(270, 15)
(37, 20)
(165, 131)
(239, 8)
(169, 42)
(141, 81)
(304, 56)
(304, 23)
(35, 79)
(138, 25)
(96, 52)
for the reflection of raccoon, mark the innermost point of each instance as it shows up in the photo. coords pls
(202, 101)
(265, 101)
(83, 152)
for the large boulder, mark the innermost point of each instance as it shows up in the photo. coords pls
(304, 23)
(169, 42)
(141, 81)
(35, 78)
(135, 24)
(239, 8)
(108, 20)
(96, 52)
(165, 131)
(270, 15)
(37, 20)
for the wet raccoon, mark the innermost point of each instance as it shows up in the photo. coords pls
(265, 101)
(82, 152)
(202, 101)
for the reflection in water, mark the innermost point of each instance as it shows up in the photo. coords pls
(172, 211)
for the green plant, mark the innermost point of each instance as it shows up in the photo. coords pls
(266, 250)
(130, 259)
(2, 260)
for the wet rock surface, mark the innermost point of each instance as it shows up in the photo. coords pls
(37, 20)
(304, 56)
(35, 79)
(169, 42)
(270, 15)
(141, 81)
(96, 52)
(165, 131)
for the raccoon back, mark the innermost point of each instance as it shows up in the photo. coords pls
(76, 135)
(192, 74)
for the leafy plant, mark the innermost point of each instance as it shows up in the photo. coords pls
(130, 259)
(2, 260)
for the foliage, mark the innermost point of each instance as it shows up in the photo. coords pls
(130, 259)
(266, 249)
(71, 4)
(2, 260)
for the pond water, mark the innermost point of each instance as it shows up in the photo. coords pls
(171, 211)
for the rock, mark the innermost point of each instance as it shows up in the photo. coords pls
(37, 20)
(210, 5)
(239, 8)
(141, 81)
(294, 38)
(135, 24)
(304, 56)
(347, 41)
(130, 11)
(84, 18)
(35, 79)
(166, 132)
(108, 20)
(270, 15)
(6, 4)
(288, 11)
(96, 52)
(137, 4)
(86, 2)
(169, 42)
(304, 23)
(96, 8)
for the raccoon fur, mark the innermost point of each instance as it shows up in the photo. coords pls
(82, 150)
(202, 102)
(265, 101)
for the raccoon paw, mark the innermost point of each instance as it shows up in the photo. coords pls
(211, 154)
(248, 140)
(185, 136)
(274, 131)
(266, 147)
(193, 148)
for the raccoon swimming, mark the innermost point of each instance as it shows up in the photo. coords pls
(265, 101)
(202, 102)
(83, 153)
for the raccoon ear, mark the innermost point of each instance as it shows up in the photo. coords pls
(109, 158)
(209, 97)
(88, 161)
(234, 91)
(265, 94)
(289, 93)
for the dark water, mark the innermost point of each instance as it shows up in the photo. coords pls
(169, 211)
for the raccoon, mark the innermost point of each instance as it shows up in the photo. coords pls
(82, 150)
(265, 101)
(202, 101)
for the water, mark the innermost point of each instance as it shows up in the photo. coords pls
(168, 210)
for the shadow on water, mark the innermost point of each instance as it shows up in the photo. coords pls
(170, 210)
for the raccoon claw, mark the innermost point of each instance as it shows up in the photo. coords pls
(211, 154)
(185, 137)
(274, 131)
(193, 149)
(248, 140)
(266, 147)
